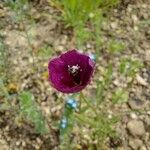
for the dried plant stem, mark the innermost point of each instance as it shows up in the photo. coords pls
(30, 45)
(56, 5)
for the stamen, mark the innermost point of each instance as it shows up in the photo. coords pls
(73, 69)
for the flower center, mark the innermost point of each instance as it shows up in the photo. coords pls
(73, 70)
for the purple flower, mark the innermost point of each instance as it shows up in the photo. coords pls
(71, 72)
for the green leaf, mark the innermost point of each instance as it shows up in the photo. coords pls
(120, 96)
(129, 67)
(116, 47)
(30, 110)
(45, 51)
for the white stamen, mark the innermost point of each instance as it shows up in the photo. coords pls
(73, 69)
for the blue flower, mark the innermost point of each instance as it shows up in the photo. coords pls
(71, 103)
(63, 123)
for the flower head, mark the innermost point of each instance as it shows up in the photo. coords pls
(71, 72)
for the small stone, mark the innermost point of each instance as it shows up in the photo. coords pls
(64, 40)
(136, 103)
(133, 116)
(114, 25)
(135, 143)
(129, 9)
(59, 47)
(2, 146)
(2, 13)
(147, 55)
(47, 110)
(23, 143)
(136, 28)
(148, 112)
(7, 128)
(116, 82)
(143, 148)
(18, 143)
(31, 60)
(88, 45)
(134, 18)
(140, 80)
(38, 140)
(147, 120)
(136, 128)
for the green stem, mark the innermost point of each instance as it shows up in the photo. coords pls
(79, 117)
(88, 104)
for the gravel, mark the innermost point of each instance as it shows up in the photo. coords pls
(136, 128)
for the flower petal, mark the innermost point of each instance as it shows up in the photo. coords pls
(88, 72)
(73, 58)
(59, 75)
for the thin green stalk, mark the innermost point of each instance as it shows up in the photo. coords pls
(88, 104)
(83, 119)
(3, 88)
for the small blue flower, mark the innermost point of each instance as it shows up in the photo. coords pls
(63, 123)
(71, 103)
(92, 56)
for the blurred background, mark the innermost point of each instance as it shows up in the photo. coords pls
(116, 33)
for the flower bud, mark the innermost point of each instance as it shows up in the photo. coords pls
(71, 103)
(63, 123)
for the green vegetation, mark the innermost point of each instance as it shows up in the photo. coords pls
(3, 58)
(20, 8)
(82, 16)
(115, 46)
(129, 67)
(86, 18)
(77, 12)
(30, 110)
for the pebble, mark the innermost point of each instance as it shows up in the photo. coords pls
(136, 28)
(135, 143)
(140, 80)
(143, 148)
(88, 45)
(114, 25)
(31, 60)
(38, 140)
(117, 82)
(134, 18)
(18, 143)
(64, 40)
(2, 146)
(136, 103)
(148, 112)
(133, 116)
(136, 128)
(59, 47)
(129, 9)
(147, 55)
(23, 143)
